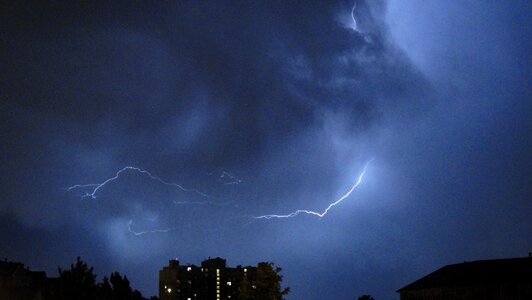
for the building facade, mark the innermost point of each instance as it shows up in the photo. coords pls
(212, 280)
(17, 282)
(498, 279)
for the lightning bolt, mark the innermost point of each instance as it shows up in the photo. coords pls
(226, 178)
(97, 186)
(233, 179)
(322, 214)
(203, 203)
(353, 16)
(138, 233)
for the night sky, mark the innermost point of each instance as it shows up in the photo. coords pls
(267, 107)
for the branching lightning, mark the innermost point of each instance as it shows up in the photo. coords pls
(322, 214)
(97, 186)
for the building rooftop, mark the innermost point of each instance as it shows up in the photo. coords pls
(480, 272)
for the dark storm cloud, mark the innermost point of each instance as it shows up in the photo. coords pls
(291, 100)
(226, 68)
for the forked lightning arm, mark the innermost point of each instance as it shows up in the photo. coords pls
(322, 214)
(98, 186)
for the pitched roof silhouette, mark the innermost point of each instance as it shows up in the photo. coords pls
(480, 272)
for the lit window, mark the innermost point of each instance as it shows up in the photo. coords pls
(229, 283)
(245, 270)
(169, 290)
(189, 298)
(189, 269)
(217, 271)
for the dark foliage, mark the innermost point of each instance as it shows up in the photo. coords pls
(79, 282)
(365, 297)
(267, 285)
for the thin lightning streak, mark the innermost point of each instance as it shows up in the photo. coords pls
(203, 203)
(233, 181)
(82, 186)
(353, 16)
(137, 233)
(98, 186)
(309, 212)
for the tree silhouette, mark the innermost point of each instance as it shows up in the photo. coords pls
(268, 283)
(244, 290)
(79, 282)
(121, 288)
(365, 297)
(105, 291)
